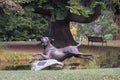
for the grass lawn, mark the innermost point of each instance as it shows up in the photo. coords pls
(83, 74)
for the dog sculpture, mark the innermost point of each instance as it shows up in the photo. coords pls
(60, 54)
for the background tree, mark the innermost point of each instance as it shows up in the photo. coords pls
(16, 27)
(103, 26)
(60, 12)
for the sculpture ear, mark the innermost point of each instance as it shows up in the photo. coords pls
(41, 37)
(51, 40)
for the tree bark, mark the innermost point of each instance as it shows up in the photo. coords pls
(116, 19)
(60, 32)
(82, 19)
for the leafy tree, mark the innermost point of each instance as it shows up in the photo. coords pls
(103, 26)
(61, 12)
(22, 27)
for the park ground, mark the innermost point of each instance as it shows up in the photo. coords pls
(22, 49)
(84, 74)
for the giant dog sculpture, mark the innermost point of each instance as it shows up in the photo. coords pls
(60, 54)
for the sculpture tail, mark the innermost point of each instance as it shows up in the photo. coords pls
(79, 44)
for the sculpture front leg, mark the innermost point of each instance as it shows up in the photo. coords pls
(45, 56)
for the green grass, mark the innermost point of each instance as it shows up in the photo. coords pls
(84, 74)
(6, 56)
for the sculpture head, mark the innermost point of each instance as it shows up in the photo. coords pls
(45, 41)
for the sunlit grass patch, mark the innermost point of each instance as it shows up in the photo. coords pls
(12, 56)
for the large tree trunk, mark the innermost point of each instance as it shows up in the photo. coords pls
(60, 32)
(116, 19)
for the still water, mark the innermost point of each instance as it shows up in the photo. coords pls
(23, 65)
(108, 61)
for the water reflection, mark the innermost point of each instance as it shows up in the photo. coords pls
(108, 60)
(23, 65)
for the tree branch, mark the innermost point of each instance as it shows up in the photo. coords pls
(26, 3)
(82, 19)
(37, 9)
(42, 11)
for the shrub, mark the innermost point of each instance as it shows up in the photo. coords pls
(108, 37)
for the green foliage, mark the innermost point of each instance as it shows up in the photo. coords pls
(108, 36)
(80, 10)
(109, 60)
(40, 1)
(22, 1)
(22, 27)
(16, 26)
(57, 8)
(76, 8)
(105, 24)
(59, 12)
(95, 3)
(115, 2)
(73, 2)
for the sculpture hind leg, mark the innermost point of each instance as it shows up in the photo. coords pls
(84, 56)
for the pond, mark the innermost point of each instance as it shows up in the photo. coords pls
(104, 61)
(23, 65)
(108, 60)
(105, 57)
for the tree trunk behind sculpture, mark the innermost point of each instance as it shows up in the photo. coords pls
(60, 32)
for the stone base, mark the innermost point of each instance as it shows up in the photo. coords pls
(46, 64)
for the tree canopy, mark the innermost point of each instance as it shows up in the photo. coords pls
(16, 26)
(58, 13)
(58, 8)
